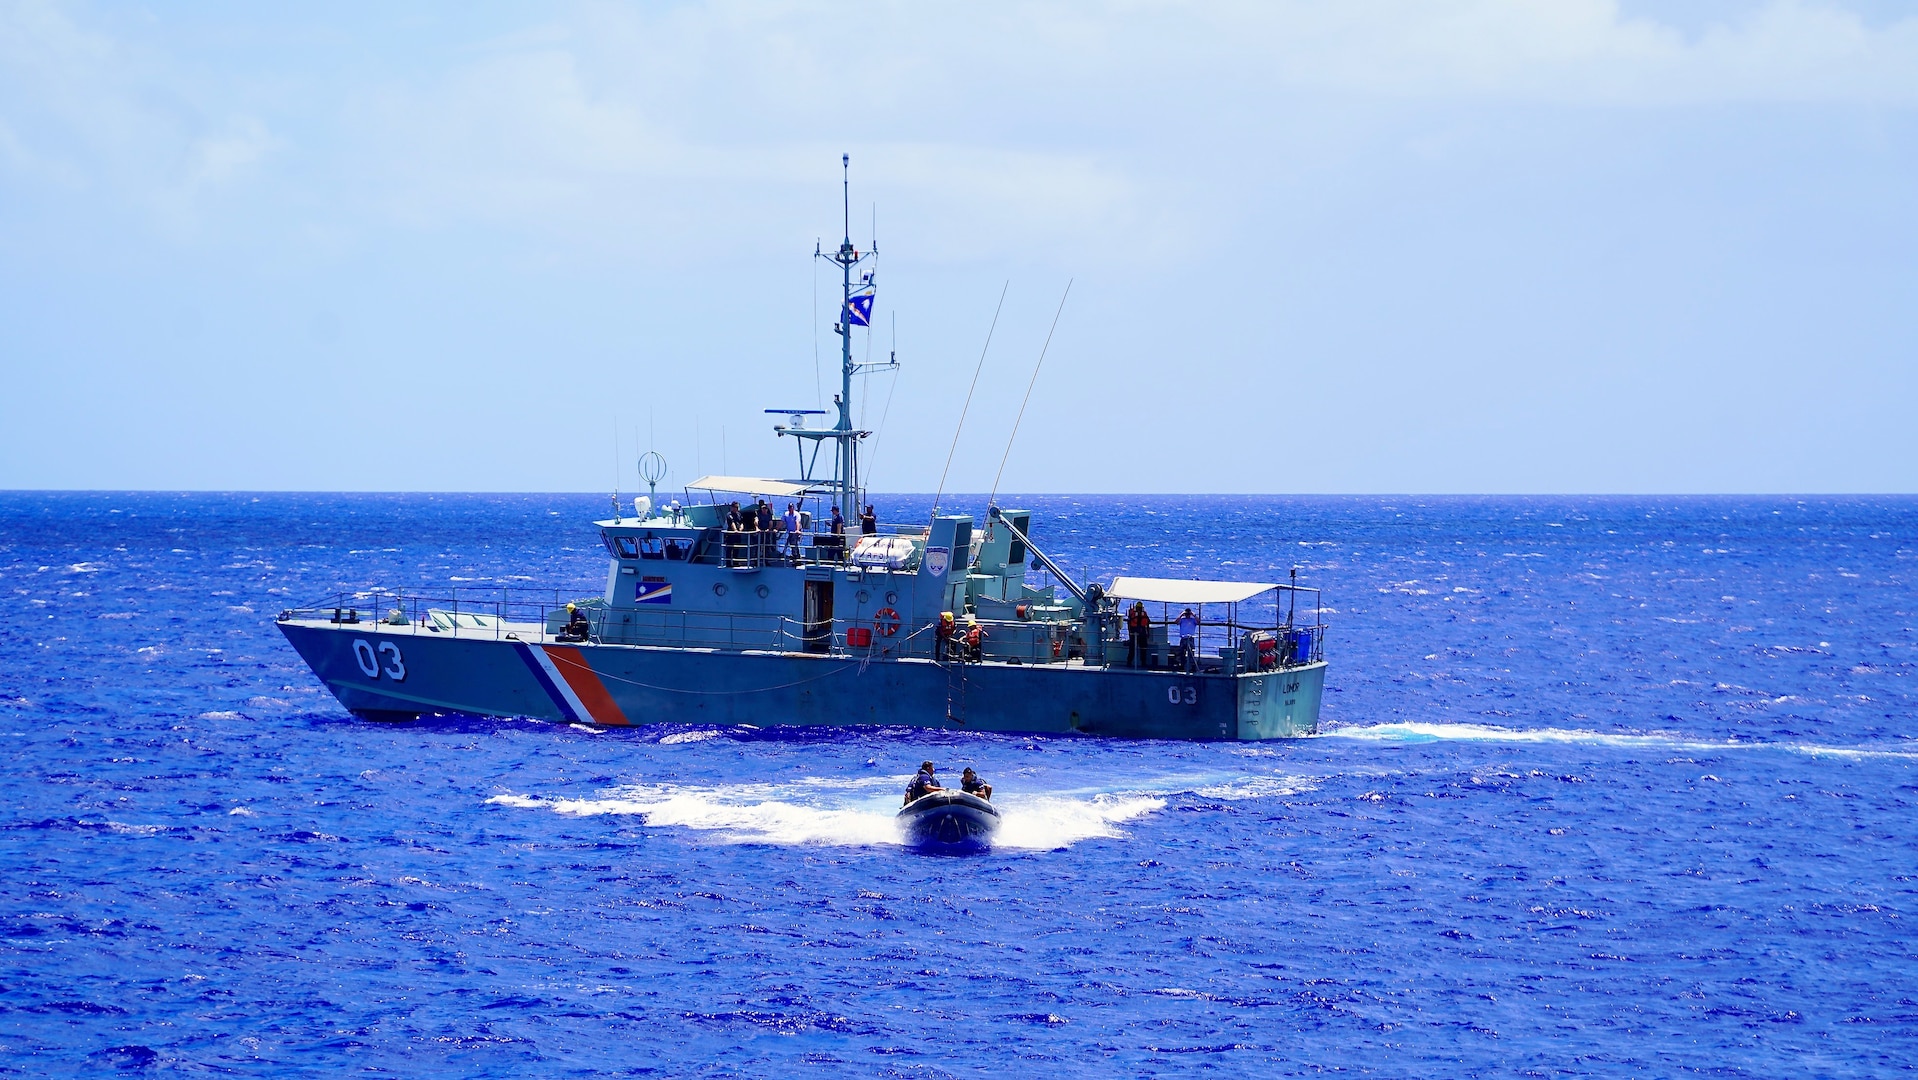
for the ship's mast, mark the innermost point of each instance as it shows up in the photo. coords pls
(844, 435)
(848, 443)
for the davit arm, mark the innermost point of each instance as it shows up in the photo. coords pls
(1092, 606)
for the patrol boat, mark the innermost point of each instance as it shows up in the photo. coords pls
(955, 623)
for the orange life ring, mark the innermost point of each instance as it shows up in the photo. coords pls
(885, 622)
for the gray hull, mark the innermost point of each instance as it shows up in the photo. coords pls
(398, 671)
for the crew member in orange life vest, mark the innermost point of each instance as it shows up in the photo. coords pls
(944, 635)
(1138, 650)
(975, 639)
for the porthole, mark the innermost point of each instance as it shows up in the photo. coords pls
(892, 598)
(719, 588)
(763, 592)
(865, 597)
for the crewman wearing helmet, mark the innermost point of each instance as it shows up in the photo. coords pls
(577, 628)
(975, 639)
(943, 632)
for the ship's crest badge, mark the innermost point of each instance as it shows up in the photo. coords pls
(938, 560)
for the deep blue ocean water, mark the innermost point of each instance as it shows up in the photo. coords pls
(1617, 787)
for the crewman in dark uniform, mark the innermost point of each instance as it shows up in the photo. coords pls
(837, 527)
(768, 542)
(868, 522)
(923, 784)
(972, 784)
(577, 628)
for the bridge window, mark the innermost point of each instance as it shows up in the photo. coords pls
(624, 548)
(652, 547)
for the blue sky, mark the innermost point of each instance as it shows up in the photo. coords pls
(1432, 246)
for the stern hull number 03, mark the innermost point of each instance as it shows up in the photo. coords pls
(384, 660)
(1182, 695)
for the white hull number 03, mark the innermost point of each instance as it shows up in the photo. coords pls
(370, 659)
(1182, 695)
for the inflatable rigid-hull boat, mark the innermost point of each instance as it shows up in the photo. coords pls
(949, 821)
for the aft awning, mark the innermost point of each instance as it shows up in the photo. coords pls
(750, 485)
(1179, 591)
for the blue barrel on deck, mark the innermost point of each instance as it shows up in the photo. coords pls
(1299, 646)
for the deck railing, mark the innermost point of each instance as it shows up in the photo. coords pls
(538, 614)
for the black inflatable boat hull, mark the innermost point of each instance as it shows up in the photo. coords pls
(949, 821)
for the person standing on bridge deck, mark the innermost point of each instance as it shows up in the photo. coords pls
(868, 522)
(792, 533)
(731, 537)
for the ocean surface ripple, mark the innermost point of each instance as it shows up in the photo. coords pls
(1607, 787)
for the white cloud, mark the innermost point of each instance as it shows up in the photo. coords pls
(81, 109)
(1585, 51)
(1066, 123)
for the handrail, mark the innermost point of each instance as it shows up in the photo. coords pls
(502, 611)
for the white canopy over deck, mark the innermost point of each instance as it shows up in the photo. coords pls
(1180, 591)
(751, 485)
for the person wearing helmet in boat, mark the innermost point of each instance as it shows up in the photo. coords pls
(971, 783)
(1139, 643)
(577, 628)
(975, 639)
(923, 783)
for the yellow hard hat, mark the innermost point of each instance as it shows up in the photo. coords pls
(572, 607)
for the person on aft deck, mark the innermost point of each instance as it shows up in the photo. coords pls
(1138, 635)
(1188, 635)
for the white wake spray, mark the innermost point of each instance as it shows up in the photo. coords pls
(854, 813)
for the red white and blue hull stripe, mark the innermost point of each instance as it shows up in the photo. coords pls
(567, 676)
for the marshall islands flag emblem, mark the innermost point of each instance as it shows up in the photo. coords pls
(653, 591)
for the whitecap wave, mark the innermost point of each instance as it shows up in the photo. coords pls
(1414, 732)
(1257, 787)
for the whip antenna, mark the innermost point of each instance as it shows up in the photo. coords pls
(1028, 397)
(968, 405)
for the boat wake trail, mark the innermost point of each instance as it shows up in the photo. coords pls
(839, 813)
(1425, 733)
